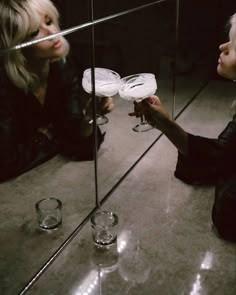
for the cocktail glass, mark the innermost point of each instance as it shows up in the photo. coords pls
(136, 88)
(107, 84)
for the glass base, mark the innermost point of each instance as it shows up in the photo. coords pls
(50, 223)
(101, 119)
(142, 127)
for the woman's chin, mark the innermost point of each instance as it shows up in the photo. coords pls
(218, 69)
(221, 73)
(230, 75)
(61, 51)
(59, 54)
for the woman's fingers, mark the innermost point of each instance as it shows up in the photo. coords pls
(152, 100)
(135, 114)
(106, 104)
(146, 107)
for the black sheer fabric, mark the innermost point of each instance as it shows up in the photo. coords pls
(22, 146)
(209, 159)
(213, 161)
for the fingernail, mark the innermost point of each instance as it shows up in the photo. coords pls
(151, 100)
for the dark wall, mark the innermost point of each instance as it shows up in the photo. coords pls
(201, 30)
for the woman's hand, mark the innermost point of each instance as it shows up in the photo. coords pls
(157, 116)
(47, 131)
(153, 111)
(106, 105)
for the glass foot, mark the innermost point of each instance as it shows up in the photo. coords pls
(142, 127)
(101, 119)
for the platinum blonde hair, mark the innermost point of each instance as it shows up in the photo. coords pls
(19, 18)
(232, 37)
(232, 32)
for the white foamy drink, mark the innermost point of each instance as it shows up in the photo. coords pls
(107, 82)
(137, 87)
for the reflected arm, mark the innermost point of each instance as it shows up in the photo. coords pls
(73, 127)
(19, 153)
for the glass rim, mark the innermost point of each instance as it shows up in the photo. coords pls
(100, 213)
(58, 204)
(137, 75)
(99, 68)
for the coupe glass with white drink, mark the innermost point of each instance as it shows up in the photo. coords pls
(136, 88)
(107, 83)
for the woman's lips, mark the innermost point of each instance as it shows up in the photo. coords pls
(220, 61)
(57, 44)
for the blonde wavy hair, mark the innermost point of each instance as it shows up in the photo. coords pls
(232, 31)
(232, 37)
(19, 18)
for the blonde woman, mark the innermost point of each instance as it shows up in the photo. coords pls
(41, 111)
(204, 160)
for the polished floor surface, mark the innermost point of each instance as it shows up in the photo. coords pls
(166, 244)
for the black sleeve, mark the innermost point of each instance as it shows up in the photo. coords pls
(71, 142)
(19, 153)
(209, 159)
(224, 209)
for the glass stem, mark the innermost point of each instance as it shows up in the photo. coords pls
(142, 118)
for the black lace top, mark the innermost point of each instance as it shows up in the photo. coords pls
(22, 147)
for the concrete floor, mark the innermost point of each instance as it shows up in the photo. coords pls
(165, 241)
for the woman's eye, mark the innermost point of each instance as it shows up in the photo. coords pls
(34, 34)
(48, 22)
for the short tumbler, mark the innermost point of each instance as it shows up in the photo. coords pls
(104, 227)
(49, 213)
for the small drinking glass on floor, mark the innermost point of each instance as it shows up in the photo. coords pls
(104, 229)
(49, 213)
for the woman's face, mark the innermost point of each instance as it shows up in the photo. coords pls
(49, 49)
(227, 61)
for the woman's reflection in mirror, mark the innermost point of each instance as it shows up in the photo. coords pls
(204, 160)
(43, 110)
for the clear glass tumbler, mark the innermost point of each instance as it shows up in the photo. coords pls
(104, 227)
(49, 213)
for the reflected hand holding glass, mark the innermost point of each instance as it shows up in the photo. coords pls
(107, 84)
(105, 105)
(136, 88)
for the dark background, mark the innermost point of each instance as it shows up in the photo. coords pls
(202, 27)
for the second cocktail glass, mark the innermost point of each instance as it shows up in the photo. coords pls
(136, 88)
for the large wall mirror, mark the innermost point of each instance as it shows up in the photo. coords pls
(129, 37)
(127, 44)
(138, 41)
(24, 247)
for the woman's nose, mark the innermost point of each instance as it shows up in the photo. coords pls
(224, 47)
(51, 32)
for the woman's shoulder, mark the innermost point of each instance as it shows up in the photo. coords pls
(10, 95)
(6, 86)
